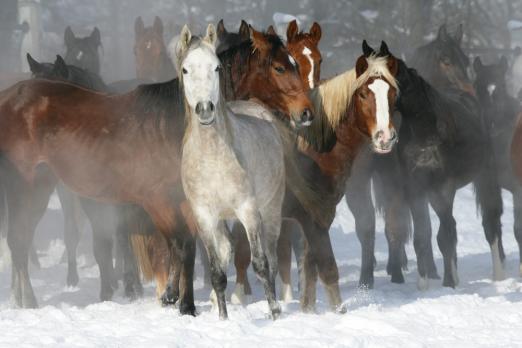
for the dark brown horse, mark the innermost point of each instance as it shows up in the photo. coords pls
(152, 60)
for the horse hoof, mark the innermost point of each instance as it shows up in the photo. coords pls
(106, 295)
(310, 308)
(169, 297)
(423, 283)
(397, 278)
(341, 309)
(187, 309)
(72, 279)
(276, 311)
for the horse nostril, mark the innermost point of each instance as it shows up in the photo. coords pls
(211, 106)
(307, 116)
(199, 108)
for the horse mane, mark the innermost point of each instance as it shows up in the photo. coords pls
(333, 99)
(163, 104)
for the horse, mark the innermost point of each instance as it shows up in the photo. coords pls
(227, 40)
(83, 52)
(249, 71)
(92, 143)
(445, 145)
(152, 60)
(501, 111)
(105, 218)
(247, 152)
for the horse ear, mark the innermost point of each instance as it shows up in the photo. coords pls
(139, 27)
(361, 65)
(477, 64)
(158, 26)
(69, 36)
(316, 32)
(384, 51)
(60, 67)
(33, 64)
(367, 50)
(442, 35)
(258, 40)
(221, 30)
(459, 34)
(271, 30)
(184, 41)
(244, 31)
(96, 36)
(211, 36)
(503, 64)
(291, 31)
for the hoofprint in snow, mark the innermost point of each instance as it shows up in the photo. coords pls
(478, 313)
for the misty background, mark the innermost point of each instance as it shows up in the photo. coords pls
(491, 27)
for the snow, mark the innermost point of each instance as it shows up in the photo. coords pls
(479, 313)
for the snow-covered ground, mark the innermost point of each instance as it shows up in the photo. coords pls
(477, 313)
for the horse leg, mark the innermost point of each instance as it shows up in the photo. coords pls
(359, 200)
(71, 234)
(284, 258)
(489, 199)
(204, 263)
(517, 214)
(164, 214)
(421, 238)
(298, 240)
(27, 204)
(131, 279)
(442, 203)
(256, 228)
(241, 262)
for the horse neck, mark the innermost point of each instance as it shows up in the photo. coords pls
(336, 164)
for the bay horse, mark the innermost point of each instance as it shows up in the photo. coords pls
(228, 39)
(152, 60)
(232, 167)
(83, 51)
(104, 218)
(445, 145)
(501, 111)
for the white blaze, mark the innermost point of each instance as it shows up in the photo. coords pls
(380, 88)
(491, 89)
(308, 54)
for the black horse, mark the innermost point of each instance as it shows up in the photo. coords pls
(107, 221)
(83, 51)
(501, 111)
(444, 145)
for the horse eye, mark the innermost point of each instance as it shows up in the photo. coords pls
(280, 69)
(184, 71)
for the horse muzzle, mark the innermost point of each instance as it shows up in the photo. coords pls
(303, 120)
(206, 113)
(383, 141)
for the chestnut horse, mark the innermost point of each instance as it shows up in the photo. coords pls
(152, 60)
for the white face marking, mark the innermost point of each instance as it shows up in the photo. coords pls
(491, 89)
(201, 80)
(79, 55)
(149, 45)
(380, 88)
(308, 54)
(292, 60)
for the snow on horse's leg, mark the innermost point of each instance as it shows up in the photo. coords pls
(286, 293)
(238, 297)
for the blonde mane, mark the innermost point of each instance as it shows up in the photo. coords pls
(335, 95)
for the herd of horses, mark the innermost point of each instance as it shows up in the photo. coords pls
(249, 152)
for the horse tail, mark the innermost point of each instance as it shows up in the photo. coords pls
(140, 247)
